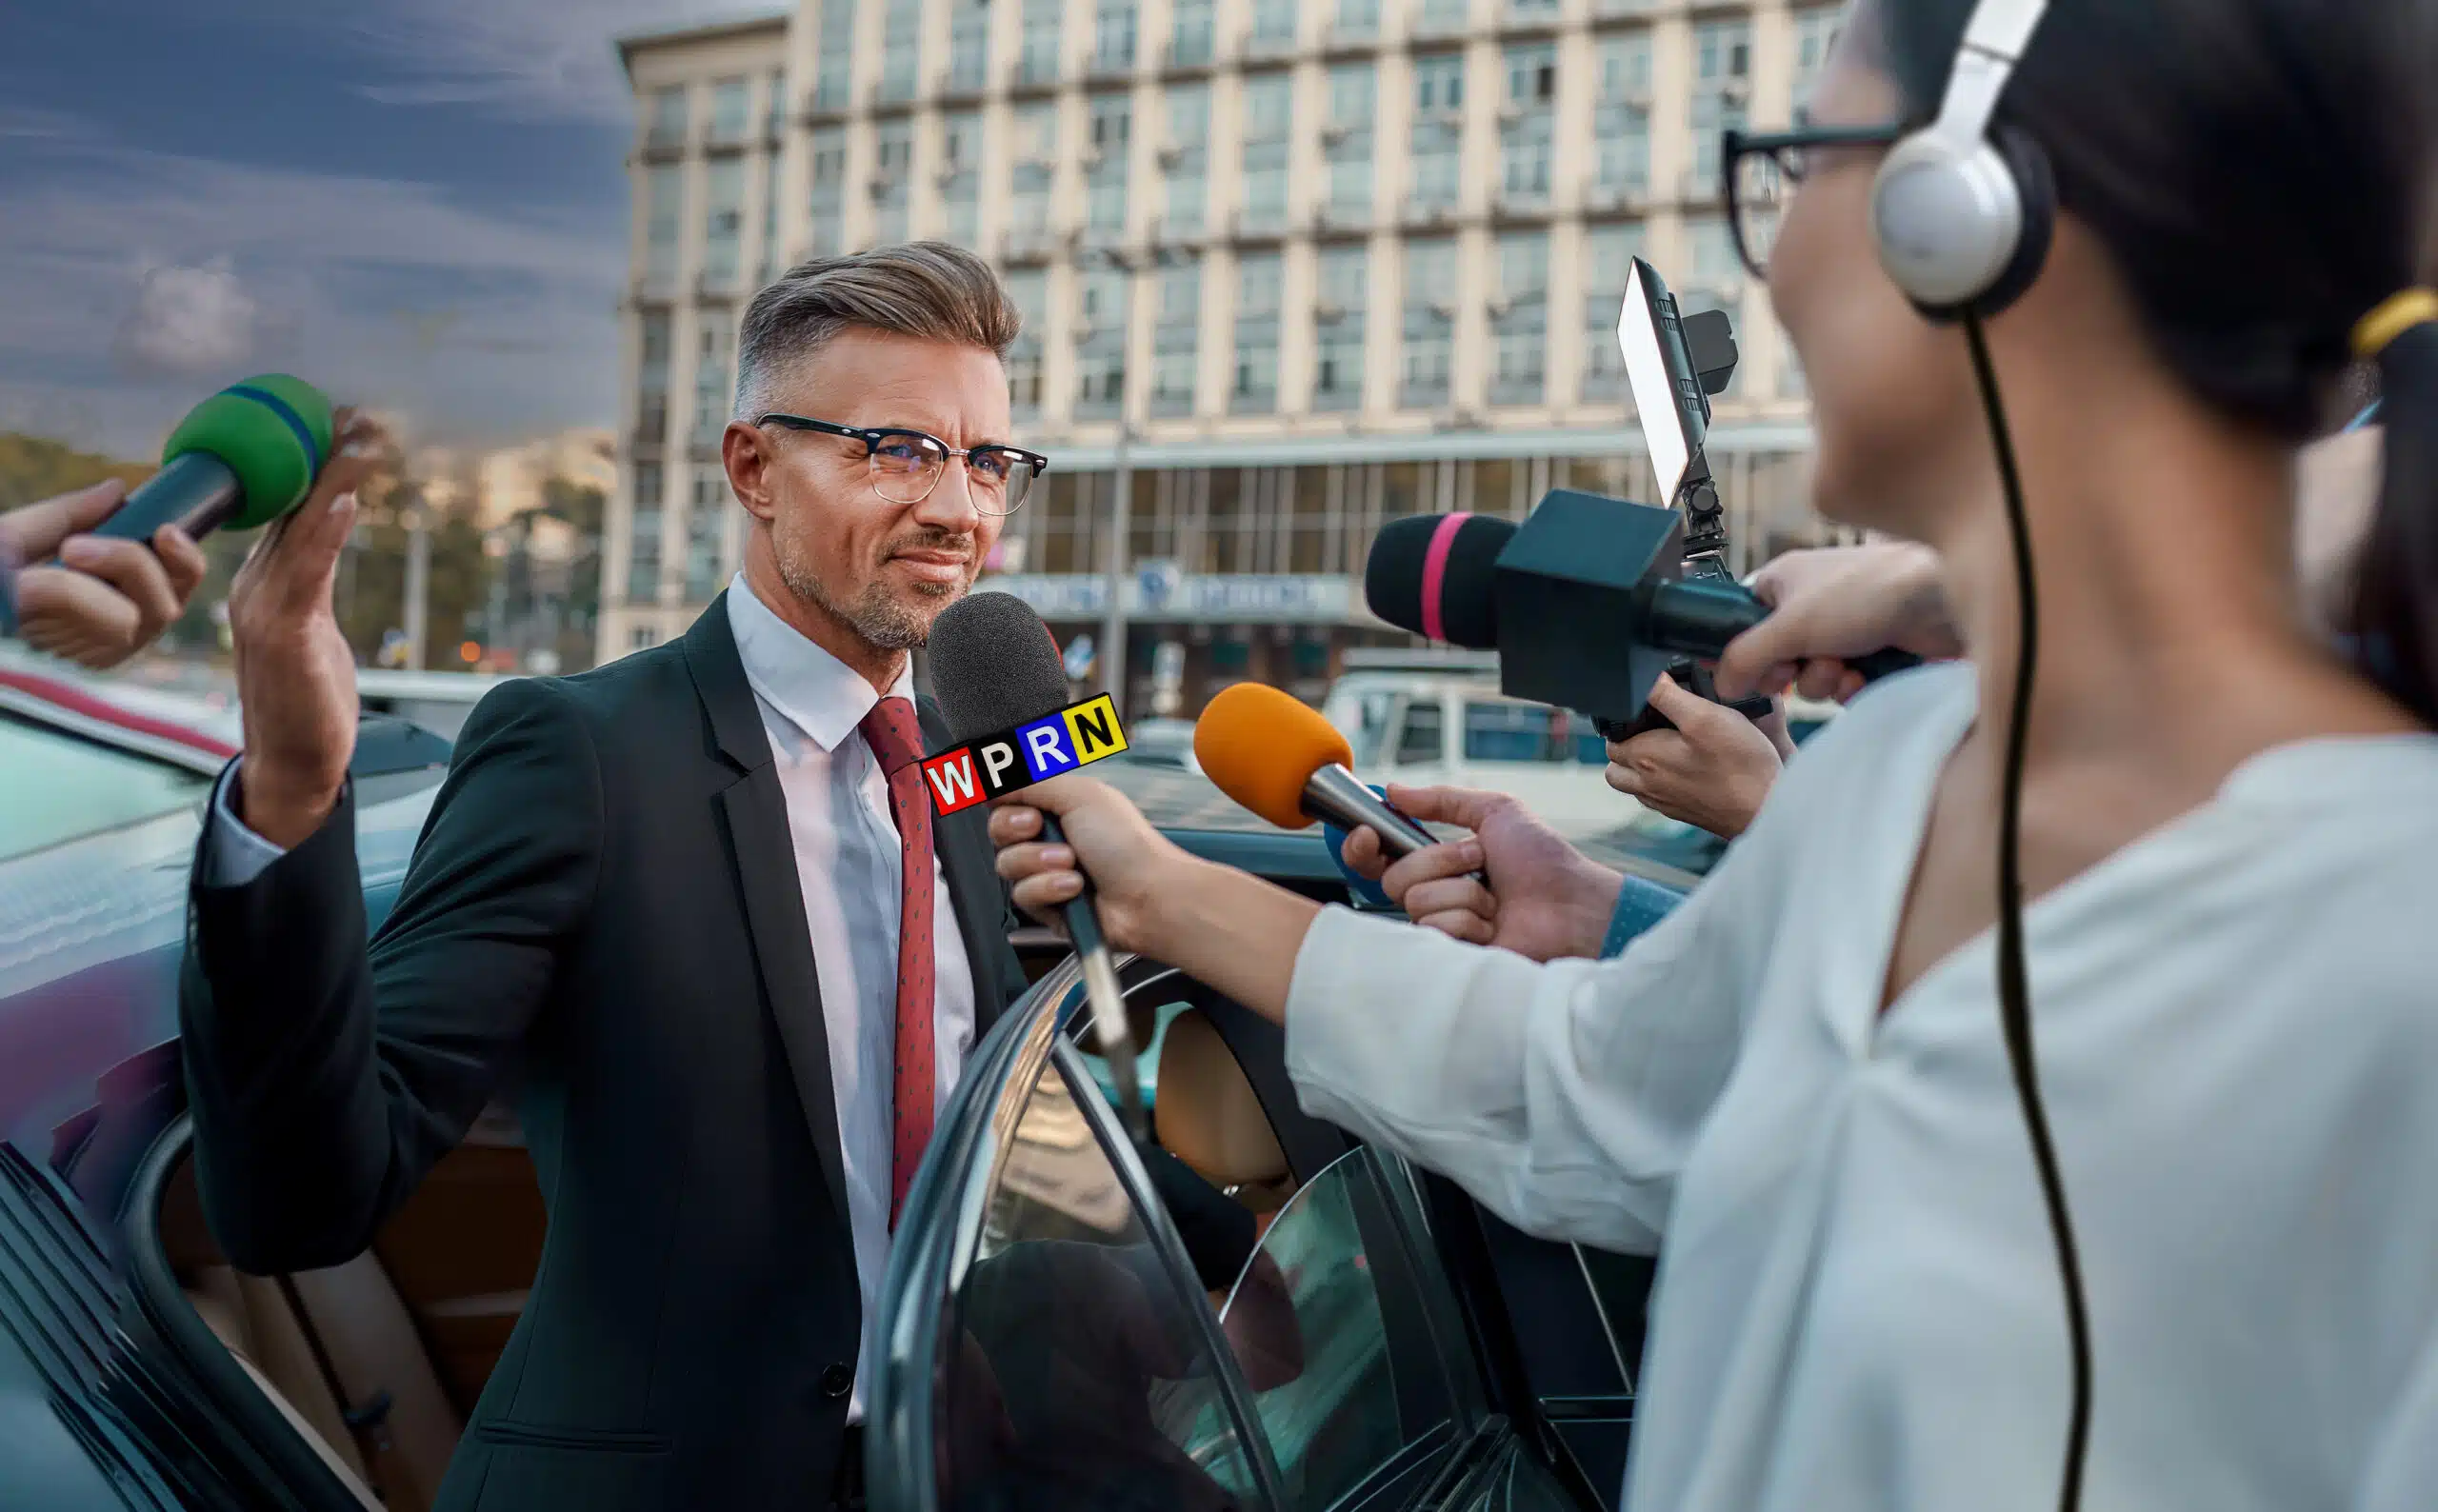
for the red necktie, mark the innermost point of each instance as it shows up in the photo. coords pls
(896, 740)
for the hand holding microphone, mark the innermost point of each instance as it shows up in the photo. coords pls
(104, 599)
(1838, 617)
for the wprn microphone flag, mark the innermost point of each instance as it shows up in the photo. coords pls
(980, 771)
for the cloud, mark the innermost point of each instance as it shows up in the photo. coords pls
(189, 322)
(131, 279)
(523, 59)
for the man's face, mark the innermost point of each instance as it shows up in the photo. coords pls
(881, 569)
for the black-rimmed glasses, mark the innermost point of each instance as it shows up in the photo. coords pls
(906, 464)
(1761, 168)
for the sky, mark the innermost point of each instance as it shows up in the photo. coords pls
(418, 205)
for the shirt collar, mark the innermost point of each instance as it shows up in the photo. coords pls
(810, 688)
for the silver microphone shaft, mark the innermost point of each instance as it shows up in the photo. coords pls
(1334, 795)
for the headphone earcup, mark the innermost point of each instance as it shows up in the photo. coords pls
(2036, 192)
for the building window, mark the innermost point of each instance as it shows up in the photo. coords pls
(774, 107)
(770, 181)
(1038, 62)
(1356, 18)
(1255, 390)
(647, 486)
(1036, 125)
(1815, 33)
(1621, 118)
(642, 638)
(1443, 15)
(668, 119)
(834, 79)
(1190, 34)
(714, 342)
(828, 190)
(901, 34)
(1101, 297)
(1347, 140)
(1520, 319)
(1609, 252)
(1186, 156)
(664, 196)
(1722, 84)
(969, 45)
(652, 388)
(1438, 127)
(1113, 36)
(724, 219)
(730, 111)
(1273, 23)
(1028, 289)
(706, 528)
(1176, 342)
(1429, 322)
(1528, 123)
(892, 176)
(1338, 328)
(643, 557)
(1269, 108)
(961, 174)
(1112, 117)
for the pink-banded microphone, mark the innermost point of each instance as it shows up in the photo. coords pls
(1432, 573)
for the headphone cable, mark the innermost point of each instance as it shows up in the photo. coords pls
(2014, 988)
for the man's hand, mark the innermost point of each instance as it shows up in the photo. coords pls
(107, 599)
(1546, 900)
(1832, 604)
(1711, 771)
(295, 672)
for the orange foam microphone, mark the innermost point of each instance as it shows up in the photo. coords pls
(1279, 758)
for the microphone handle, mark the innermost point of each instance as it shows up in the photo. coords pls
(1102, 993)
(195, 491)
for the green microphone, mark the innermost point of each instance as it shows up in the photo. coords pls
(240, 459)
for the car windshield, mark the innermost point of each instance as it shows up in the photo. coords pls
(61, 787)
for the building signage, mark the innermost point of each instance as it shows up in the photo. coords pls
(1158, 593)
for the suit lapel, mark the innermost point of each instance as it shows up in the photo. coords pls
(961, 845)
(762, 849)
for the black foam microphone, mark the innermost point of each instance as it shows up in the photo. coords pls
(1586, 602)
(995, 667)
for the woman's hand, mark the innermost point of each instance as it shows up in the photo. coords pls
(1711, 771)
(1546, 900)
(1130, 862)
(107, 599)
(1836, 603)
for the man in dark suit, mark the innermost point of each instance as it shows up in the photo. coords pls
(695, 900)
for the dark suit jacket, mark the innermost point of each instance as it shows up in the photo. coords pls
(603, 901)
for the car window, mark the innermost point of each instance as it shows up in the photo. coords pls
(1337, 1327)
(61, 787)
(1419, 743)
(1373, 711)
(1075, 1366)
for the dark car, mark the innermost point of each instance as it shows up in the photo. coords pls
(1389, 1345)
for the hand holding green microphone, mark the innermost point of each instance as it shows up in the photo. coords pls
(106, 570)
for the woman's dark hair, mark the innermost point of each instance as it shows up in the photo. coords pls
(2260, 171)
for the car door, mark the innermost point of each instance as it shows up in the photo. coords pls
(1047, 1341)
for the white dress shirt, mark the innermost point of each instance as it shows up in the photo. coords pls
(1859, 1307)
(851, 867)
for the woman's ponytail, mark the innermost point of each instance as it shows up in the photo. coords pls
(2394, 616)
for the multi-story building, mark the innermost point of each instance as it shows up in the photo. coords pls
(1297, 267)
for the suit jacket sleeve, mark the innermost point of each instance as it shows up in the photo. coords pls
(327, 1078)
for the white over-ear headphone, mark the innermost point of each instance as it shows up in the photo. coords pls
(1964, 220)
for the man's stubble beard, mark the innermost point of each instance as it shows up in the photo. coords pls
(877, 616)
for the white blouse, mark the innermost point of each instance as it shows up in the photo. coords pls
(1858, 1305)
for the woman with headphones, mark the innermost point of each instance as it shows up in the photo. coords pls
(2105, 1162)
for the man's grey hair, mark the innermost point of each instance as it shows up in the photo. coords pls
(932, 291)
